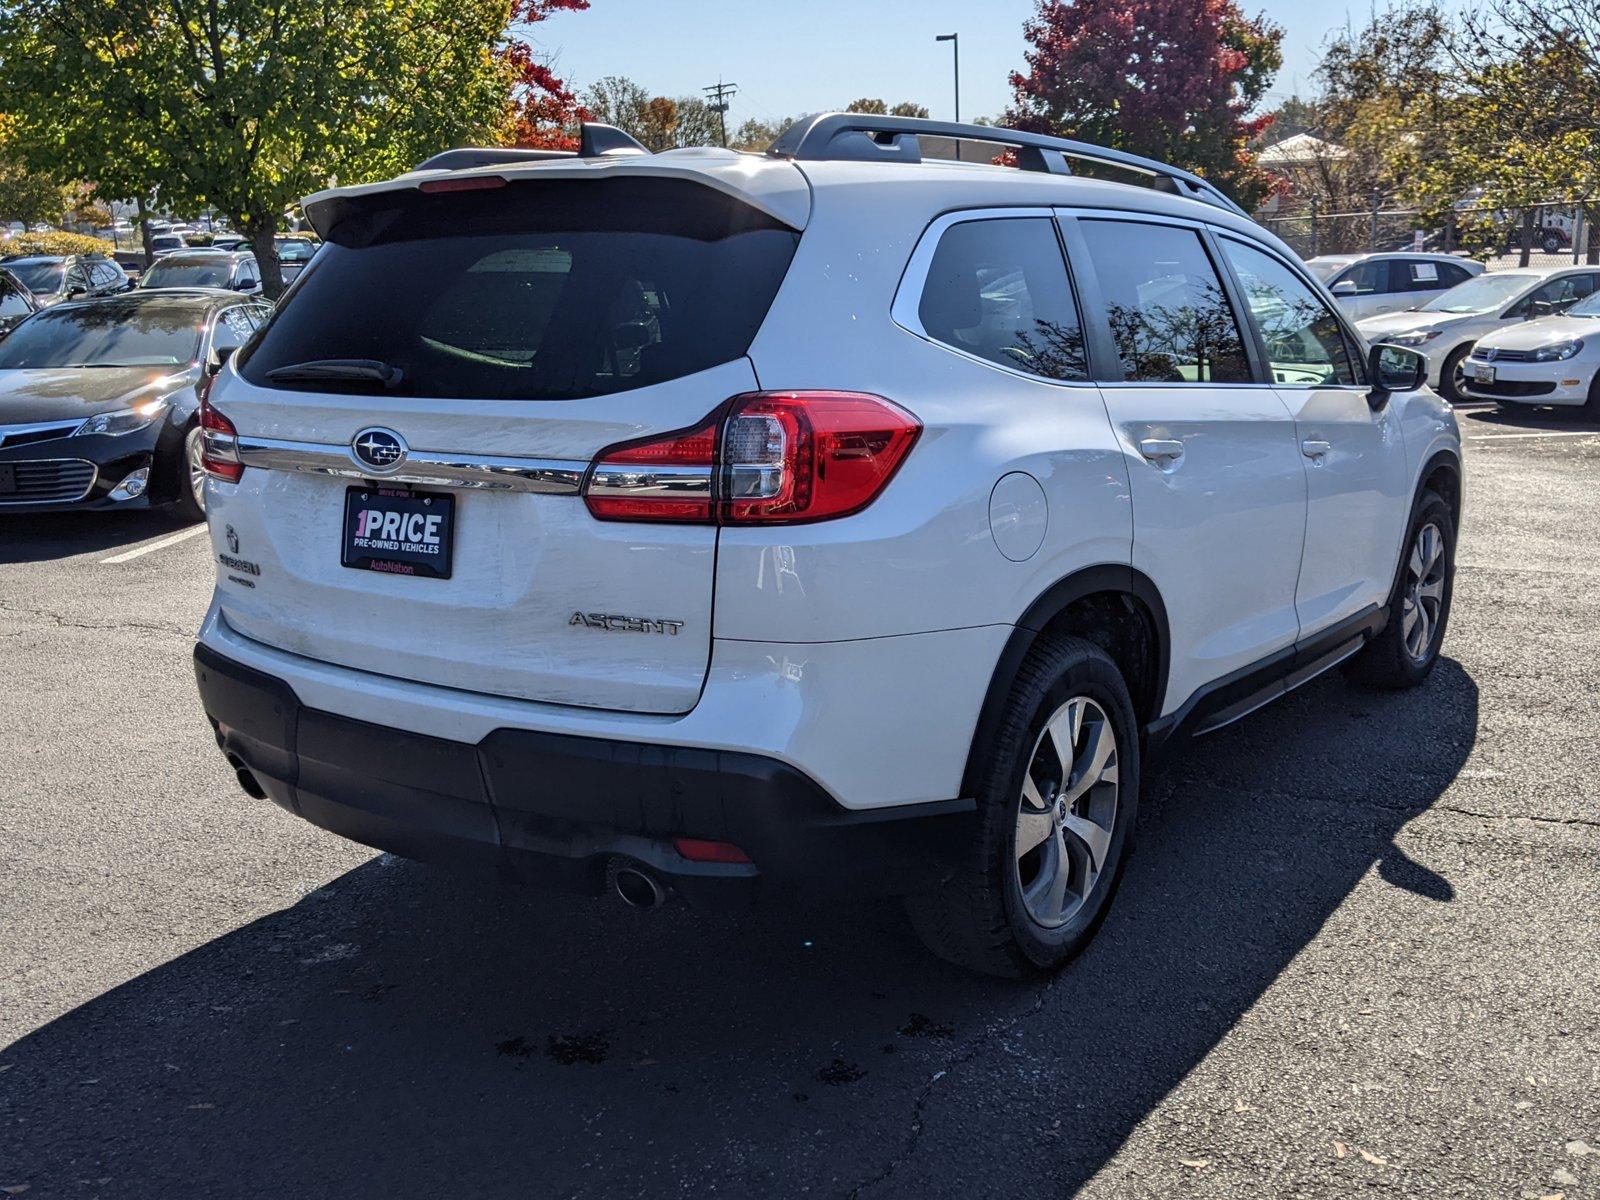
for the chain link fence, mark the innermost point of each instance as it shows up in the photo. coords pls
(1554, 234)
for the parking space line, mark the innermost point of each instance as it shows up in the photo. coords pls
(128, 555)
(1484, 437)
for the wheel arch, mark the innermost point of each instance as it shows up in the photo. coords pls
(1115, 606)
(1442, 474)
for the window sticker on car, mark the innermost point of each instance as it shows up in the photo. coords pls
(1424, 272)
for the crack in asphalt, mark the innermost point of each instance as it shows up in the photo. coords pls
(961, 1058)
(64, 622)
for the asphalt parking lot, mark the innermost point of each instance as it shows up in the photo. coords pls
(1358, 951)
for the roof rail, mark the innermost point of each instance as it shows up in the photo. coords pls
(595, 140)
(864, 137)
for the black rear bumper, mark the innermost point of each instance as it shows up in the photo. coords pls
(555, 809)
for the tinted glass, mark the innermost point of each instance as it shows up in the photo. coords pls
(539, 290)
(1558, 295)
(41, 278)
(1416, 275)
(166, 274)
(1169, 316)
(232, 330)
(1305, 344)
(1453, 274)
(1370, 278)
(104, 334)
(295, 251)
(998, 289)
(12, 301)
(104, 275)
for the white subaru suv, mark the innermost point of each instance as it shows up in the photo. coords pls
(715, 524)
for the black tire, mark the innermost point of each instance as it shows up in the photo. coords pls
(190, 506)
(975, 916)
(1448, 387)
(1386, 661)
(1590, 409)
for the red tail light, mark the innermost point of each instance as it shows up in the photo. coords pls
(219, 442)
(700, 850)
(764, 458)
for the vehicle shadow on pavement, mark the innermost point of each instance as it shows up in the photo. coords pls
(1553, 419)
(40, 537)
(404, 1031)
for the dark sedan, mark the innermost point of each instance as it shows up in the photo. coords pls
(57, 278)
(99, 402)
(205, 268)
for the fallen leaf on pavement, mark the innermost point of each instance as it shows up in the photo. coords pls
(1579, 1149)
(1376, 1160)
(1198, 1164)
(1340, 1149)
(1239, 1106)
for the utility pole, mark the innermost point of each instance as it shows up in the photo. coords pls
(717, 97)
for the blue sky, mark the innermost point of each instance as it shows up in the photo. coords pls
(790, 58)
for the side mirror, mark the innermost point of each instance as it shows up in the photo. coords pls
(1394, 369)
(76, 289)
(1540, 308)
(219, 359)
(1345, 287)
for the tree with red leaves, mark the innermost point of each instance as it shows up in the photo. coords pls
(543, 108)
(1173, 80)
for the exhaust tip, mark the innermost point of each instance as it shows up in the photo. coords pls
(251, 785)
(637, 887)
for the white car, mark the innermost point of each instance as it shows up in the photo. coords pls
(1367, 285)
(717, 523)
(1445, 329)
(1554, 360)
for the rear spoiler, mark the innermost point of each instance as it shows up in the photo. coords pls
(595, 140)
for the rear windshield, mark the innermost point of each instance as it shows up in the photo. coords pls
(41, 278)
(167, 274)
(531, 291)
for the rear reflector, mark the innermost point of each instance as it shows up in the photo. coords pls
(764, 458)
(698, 850)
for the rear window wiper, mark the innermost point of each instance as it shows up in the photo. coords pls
(339, 371)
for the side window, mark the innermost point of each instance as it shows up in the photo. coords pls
(233, 328)
(998, 289)
(1450, 274)
(1370, 278)
(1305, 345)
(77, 277)
(1415, 275)
(12, 302)
(1557, 296)
(1169, 316)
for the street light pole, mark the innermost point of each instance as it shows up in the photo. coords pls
(955, 46)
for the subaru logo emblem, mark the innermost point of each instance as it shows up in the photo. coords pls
(379, 450)
(233, 540)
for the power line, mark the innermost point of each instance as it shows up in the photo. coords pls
(717, 97)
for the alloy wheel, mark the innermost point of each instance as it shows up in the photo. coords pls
(197, 469)
(1424, 592)
(1067, 812)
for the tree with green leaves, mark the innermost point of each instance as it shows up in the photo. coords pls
(1521, 126)
(246, 105)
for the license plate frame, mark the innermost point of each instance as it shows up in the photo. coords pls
(420, 549)
(1482, 373)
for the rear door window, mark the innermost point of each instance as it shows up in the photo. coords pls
(1168, 313)
(997, 289)
(533, 291)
